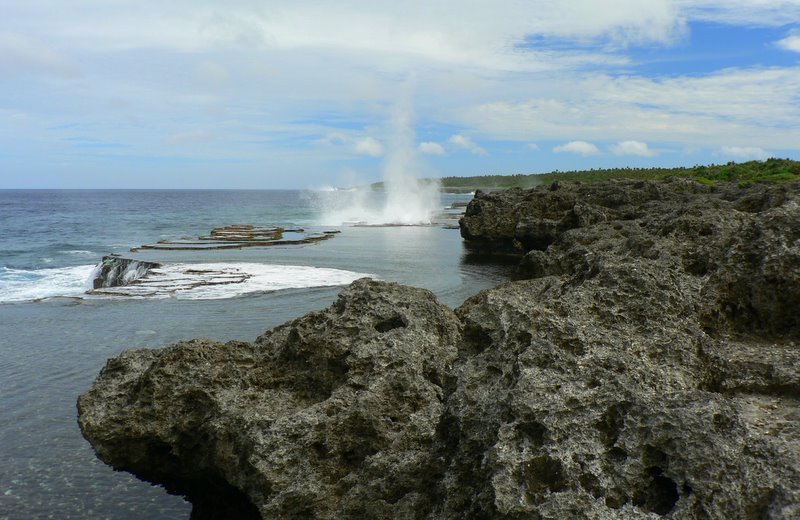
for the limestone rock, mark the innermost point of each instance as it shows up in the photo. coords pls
(650, 365)
(332, 415)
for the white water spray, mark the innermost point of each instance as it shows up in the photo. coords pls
(407, 200)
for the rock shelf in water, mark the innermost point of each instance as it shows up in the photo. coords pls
(648, 365)
(238, 236)
(117, 271)
(119, 276)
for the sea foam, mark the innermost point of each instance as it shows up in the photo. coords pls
(183, 281)
(18, 285)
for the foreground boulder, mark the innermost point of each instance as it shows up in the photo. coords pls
(648, 366)
(331, 415)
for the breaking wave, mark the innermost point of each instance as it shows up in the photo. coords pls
(17, 285)
(182, 281)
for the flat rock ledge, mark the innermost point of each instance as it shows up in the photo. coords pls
(648, 366)
(239, 236)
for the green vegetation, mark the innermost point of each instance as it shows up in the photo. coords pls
(773, 170)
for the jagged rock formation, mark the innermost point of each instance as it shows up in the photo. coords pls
(332, 415)
(116, 271)
(648, 366)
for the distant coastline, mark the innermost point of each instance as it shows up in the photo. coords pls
(772, 170)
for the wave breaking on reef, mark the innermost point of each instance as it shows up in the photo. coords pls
(202, 281)
(408, 203)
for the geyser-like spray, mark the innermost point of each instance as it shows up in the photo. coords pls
(406, 200)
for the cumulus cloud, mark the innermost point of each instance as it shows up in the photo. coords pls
(732, 105)
(365, 145)
(368, 146)
(462, 141)
(744, 153)
(791, 42)
(431, 148)
(633, 148)
(577, 147)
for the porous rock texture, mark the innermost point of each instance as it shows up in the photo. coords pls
(332, 415)
(649, 365)
(646, 365)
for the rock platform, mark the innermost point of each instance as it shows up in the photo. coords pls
(238, 236)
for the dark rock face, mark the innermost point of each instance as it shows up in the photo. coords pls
(116, 271)
(649, 366)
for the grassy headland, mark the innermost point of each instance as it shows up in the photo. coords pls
(773, 170)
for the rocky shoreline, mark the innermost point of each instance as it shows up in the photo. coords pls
(645, 364)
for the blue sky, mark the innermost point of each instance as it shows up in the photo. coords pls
(303, 94)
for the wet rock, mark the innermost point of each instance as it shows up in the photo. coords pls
(116, 271)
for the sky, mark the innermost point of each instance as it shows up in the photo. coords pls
(306, 94)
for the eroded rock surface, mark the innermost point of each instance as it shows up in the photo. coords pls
(648, 366)
(332, 415)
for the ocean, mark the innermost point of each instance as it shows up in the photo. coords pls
(55, 338)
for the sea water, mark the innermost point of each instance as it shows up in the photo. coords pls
(54, 338)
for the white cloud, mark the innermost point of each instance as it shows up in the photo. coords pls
(431, 148)
(341, 140)
(532, 146)
(756, 13)
(732, 105)
(633, 148)
(791, 42)
(462, 141)
(368, 146)
(270, 80)
(484, 35)
(577, 147)
(744, 153)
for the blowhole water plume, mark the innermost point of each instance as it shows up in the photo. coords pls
(405, 200)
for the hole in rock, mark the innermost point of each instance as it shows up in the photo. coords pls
(394, 322)
(659, 495)
(543, 474)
